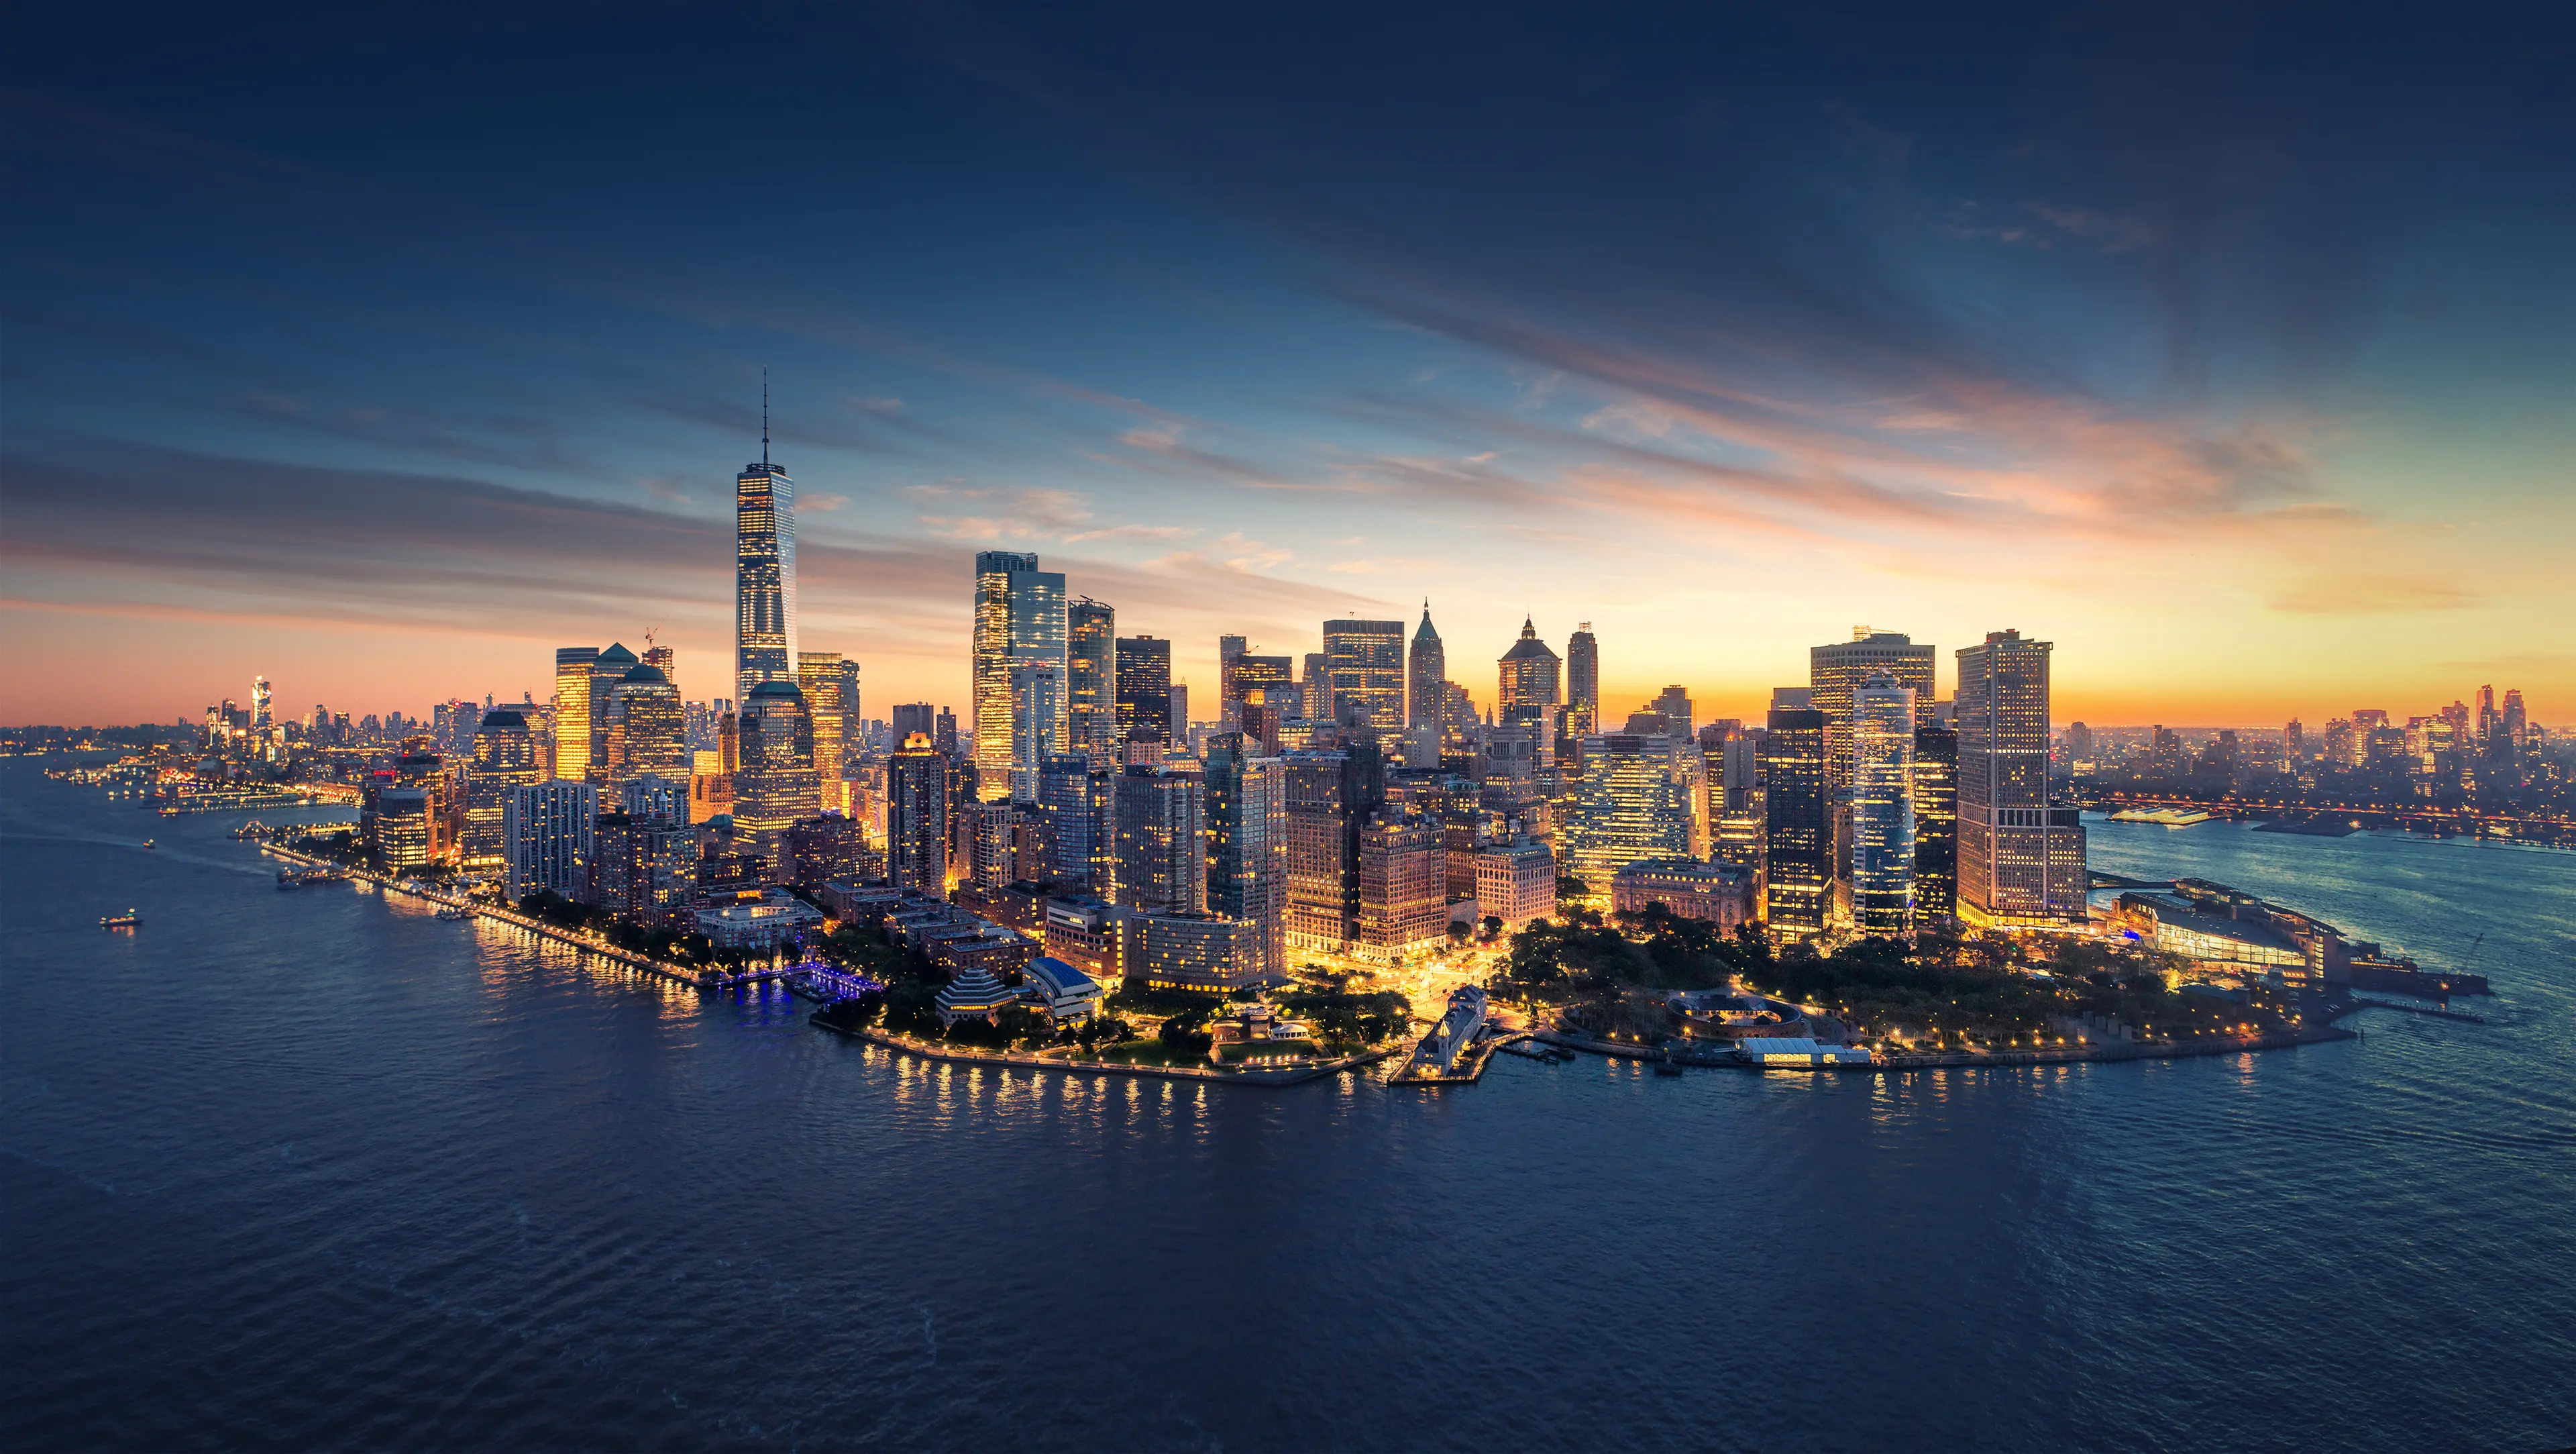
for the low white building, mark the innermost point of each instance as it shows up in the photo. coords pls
(1062, 991)
(762, 923)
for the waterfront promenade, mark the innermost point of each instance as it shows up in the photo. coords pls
(1032, 1060)
(1990, 1059)
(586, 943)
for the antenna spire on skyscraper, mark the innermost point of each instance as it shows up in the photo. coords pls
(764, 413)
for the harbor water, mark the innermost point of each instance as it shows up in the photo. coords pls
(316, 1170)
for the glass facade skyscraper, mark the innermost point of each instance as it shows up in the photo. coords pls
(1426, 677)
(1144, 689)
(775, 785)
(1797, 850)
(1583, 680)
(1020, 669)
(1882, 807)
(764, 586)
(1365, 662)
(1091, 680)
(2021, 858)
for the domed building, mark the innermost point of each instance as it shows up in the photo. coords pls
(648, 730)
(1530, 679)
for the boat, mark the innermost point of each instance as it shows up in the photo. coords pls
(2164, 817)
(453, 912)
(147, 843)
(126, 920)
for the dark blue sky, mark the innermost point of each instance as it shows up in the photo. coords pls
(381, 355)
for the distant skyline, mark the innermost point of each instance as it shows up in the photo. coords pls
(2230, 354)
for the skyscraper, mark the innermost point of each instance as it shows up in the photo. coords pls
(917, 818)
(1426, 678)
(1091, 690)
(1161, 819)
(1529, 680)
(2021, 859)
(647, 731)
(1881, 868)
(1330, 796)
(1144, 689)
(1074, 793)
(505, 760)
(1936, 823)
(1364, 661)
(1229, 650)
(606, 670)
(1583, 680)
(259, 720)
(1270, 681)
(1675, 707)
(911, 717)
(830, 686)
(1315, 686)
(1797, 830)
(1020, 671)
(1634, 805)
(572, 711)
(1836, 670)
(775, 785)
(764, 582)
(1402, 898)
(547, 831)
(1247, 819)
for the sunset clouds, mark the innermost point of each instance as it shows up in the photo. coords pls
(1722, 336)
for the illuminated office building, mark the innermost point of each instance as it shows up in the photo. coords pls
(647, 729)
(1402, 908)
(1426, 678)
(1020, 671)
(1837, 670)
(1675, 707)
(1315, 687)
(572, 711)
(666, 661)
(1529, 686)
(1797, 851)
(1247, 855)
(1364, 663)
(1075, 794)
(259, 719)
(917, 817)
(1266, 681)
(505, 760)
(547, 832)
(1634, 804)
(1330, 794)
(1161, 818)
(2021, 858)
(831, 688)
(1091, 680)
(1144, 689)
(776, 784)
(1229, 650)
(1881, 867)
(606, 670)
(1936, 824)
(764, 585)
(1583, 681)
